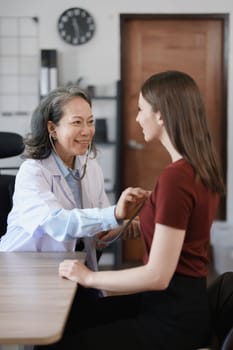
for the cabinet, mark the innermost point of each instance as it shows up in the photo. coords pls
(19, 40)
(106, 110)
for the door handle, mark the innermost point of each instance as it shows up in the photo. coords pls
(133, 144)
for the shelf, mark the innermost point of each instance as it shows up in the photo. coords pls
(106, 110)
(18, 65)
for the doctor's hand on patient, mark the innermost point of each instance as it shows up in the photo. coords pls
(128, 205)
(129, 202)
(133, 231)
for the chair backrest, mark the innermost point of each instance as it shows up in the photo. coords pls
(7, 183)
(220, 294)
(11, 144)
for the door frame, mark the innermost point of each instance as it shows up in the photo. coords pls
(224, 17)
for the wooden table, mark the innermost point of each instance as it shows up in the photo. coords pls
(34, 300)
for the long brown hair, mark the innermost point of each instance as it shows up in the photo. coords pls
(176, 95)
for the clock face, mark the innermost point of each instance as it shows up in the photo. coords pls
(76, 26)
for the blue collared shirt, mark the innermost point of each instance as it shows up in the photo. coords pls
(75, 185)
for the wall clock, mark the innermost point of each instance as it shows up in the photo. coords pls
(76, 26)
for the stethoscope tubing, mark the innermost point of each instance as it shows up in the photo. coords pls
(125, 227)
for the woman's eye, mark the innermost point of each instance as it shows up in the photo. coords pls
(91, 122)
(76, 122)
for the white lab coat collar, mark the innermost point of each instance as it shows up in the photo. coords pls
(51, 165)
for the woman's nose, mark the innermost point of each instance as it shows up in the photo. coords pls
(85, 128)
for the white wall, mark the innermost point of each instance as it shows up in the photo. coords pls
(98, 62)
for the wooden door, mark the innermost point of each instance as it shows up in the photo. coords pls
(149, 44)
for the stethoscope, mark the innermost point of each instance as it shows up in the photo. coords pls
(82, 172)
(124, 228)
(84, 167)
(79, 179)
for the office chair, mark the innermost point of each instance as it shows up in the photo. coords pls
(11, 144)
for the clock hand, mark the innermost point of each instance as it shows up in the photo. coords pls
(76, 28)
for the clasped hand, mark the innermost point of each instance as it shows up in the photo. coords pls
(74, 270)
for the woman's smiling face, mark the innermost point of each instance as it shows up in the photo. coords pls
(75, 130)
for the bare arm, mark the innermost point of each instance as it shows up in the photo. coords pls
(155, 275)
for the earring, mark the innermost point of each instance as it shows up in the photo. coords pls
(54, 138)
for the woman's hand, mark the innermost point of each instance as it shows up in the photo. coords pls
(133, 231)
(104, 237)
(129, 202)
(75, 270)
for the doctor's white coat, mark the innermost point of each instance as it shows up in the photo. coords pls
(40, 189)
